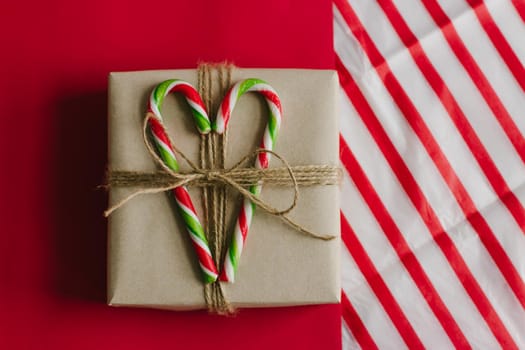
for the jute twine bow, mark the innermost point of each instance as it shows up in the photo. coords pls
(214, 178)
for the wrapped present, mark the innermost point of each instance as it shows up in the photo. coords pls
(159, 241)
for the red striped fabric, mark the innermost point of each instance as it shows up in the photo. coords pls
(520, 8)
(498, 40)
(373, 278)
(432, 141)
(352, 320)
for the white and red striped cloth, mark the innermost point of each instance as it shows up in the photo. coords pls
(432, 140)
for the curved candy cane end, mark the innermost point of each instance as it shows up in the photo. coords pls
(223, 277)
(218, 125)
(209, 276)
(204, 128)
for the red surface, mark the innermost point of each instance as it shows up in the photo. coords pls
(56, 56)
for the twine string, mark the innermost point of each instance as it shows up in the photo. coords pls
(211, 178)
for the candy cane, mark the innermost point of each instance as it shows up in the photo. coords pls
(166, 153)
(270, 134)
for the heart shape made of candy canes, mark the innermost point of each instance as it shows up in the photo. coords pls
(167, 155)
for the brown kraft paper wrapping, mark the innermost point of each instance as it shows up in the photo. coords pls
(150, 259)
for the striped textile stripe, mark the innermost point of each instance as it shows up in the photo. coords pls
(433, 147)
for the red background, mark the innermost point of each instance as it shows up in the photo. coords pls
(56, 56)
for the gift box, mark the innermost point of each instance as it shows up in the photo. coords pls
(151, 262)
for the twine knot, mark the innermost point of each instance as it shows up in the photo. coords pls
(212, 175)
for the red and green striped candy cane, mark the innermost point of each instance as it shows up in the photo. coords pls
(244, 219)
(166, 153)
